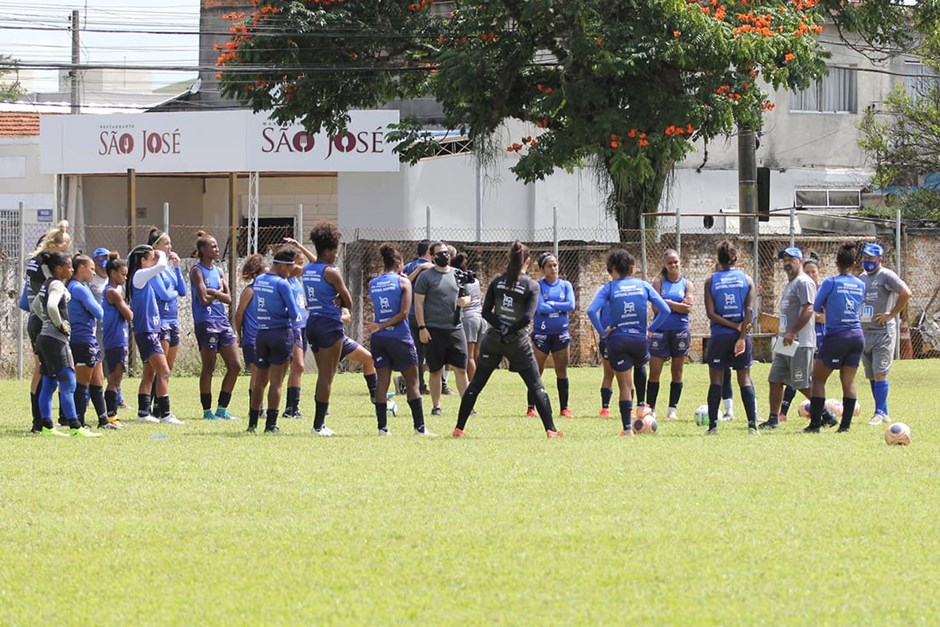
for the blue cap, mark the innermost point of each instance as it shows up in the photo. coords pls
(874, 250)
(793, 251)
(100, 252)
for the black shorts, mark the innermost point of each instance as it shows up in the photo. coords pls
(54, 355)
(170, 333)
(517, 351)
(33, 328)
(447, 347)
(86, 354)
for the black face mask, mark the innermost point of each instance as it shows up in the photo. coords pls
(441, 259)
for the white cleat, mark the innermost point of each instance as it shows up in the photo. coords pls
(384, 432)
(671, 414)
(425, 433)
(323, 431)
(170, 419)
(148, 420)
(878, 419)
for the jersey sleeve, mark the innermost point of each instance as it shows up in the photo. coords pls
(88, 301)
(290, 301)
(662, 307)
(822, 294)
(594, 310)
(180, 283)
(568, 303)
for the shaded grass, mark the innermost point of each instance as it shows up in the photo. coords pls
(211, 525)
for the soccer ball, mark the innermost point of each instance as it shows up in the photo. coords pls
(392, 407)
(898, 433)
(701, 415)
(646, 424)
(643, 411)
(803, 409)
(834, 406)
(858, 407)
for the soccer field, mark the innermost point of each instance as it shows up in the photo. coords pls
(210, 525)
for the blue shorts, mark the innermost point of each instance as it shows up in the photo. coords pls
(626, 351)
(114, 357)
(300, 341)
(170, 333)
(396, 353)
(841, 348)
(273, 347)
(602, 349)
(215, 335)
(86, 354)
(551, 343)
(672, 343)
(249, 355)
(721, 352)
(148, 345)
(349, 346)
(323, 332)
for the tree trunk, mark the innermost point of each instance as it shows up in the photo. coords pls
(629, 198)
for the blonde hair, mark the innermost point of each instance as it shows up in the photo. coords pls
(56, 239)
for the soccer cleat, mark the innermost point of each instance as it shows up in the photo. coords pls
(273, 430)
(671, 414)
(457, 433)
(554, 434)
(752, 429)
(117, 423)
(768, 425)
(424, 432)
(783, 417)
(223, 414)
(84, 432)
(384, 432)
(829, 422)
(727, 417)
(842, 430)
(209, 415)
(437, 411)
(170, 419)
(605, 412)
(712, 431)
(323, 431)
(251, 429)
(108, 425)
(626, 433)
(810, 429)
(446, 391)
(566, 413)
(878, 419)
(148, 419)
(530, 413)
(400, 385)
(46, 431)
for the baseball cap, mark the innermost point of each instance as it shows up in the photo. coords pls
(793, 251)
(875, 250)
(100, 252)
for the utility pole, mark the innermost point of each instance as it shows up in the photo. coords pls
(73, 74)
(747, 180)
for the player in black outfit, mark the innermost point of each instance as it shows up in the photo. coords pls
(509, 306)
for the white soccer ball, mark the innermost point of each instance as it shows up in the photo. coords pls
(392, 407)
(701, 415)
(803, 409)
(834, 406)
(898, 433)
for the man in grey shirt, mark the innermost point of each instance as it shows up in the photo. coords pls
(886, 295)
(439, 329)
(796, 327)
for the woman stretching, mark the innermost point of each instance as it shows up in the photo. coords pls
(169, 289)
(550, 332)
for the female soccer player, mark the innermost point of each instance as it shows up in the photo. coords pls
(84, 314)
(509, 307)
(115, 331)
(729, 304)
(292, 404)
(52, 344)
(607, 380)
(627, 299)
(277, 309)
(675, 336)
(169, 290)
(550, 329)
(246, 318)
(392, 345)
(326, 294)
(471, 316)
(144, 267)
(213, 332)
(840, 298)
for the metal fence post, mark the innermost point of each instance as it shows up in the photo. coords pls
(897, 242)
(756, 254)
(555, 231)
(299, 223)
(792, 226)
(643, 245)
(21, 281)
(166, 217)
(678, 232)
(427, 224)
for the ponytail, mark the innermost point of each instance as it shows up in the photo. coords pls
(517, 257)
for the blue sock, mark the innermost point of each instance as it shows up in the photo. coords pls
(879, 390)
(749, 400)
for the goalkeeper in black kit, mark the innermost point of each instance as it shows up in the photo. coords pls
(509, 306)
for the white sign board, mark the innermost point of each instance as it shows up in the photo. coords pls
(217, 141)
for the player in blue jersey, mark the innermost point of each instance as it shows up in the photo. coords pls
(292, 404)
(170, 288)
(673, 339)
(115, 333)
(392, 346)
(214, 333)
(276, 309)
(627, 300)
(245, 321)
(85, 312)
(729, 304)
(842, 299)
(550, 334)
(326, 295)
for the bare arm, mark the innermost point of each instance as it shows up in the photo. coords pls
(223, 295)
(306, 251)
(118, 301)
(401, 316)
(243, 301)
(200, 291)
(334, 278)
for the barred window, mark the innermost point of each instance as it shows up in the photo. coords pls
(919, 78)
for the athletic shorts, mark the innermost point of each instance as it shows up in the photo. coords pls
(33, 328)
(396, 353)
(551, 343)
(517, 351)
(447, 347)
(795, 371)
(299, 339)
(879, 351)
(273, 347)
(249, 354)
(215, 335)
(721, 355)
(841, 348)
(54, 355)
(148, 345)
(349, 345)
(473, 328)
(323, 332)
(170, 333)
(625, 351)
(672, 343)
(114, 357)
(602, 349)
(86, 354)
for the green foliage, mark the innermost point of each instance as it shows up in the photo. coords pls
(9, 91)
(918, 204)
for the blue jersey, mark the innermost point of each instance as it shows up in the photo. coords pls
(215, 311)
(385, 292)
(674, 292)
(729, 290)
(250, 321)
(274, 302)
(556, 300)
(169, 289)
(626, 300)
(319, 292)
(146, 308)
(297, 286)
(841, 298)
(84, 313)
(114, 327)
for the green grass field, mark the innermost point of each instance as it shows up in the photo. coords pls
(214, 526)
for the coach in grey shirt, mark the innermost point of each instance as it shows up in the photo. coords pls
(886, 295)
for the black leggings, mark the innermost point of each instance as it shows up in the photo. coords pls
(533, 382)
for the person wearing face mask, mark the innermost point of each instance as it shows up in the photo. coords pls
(437, 299)
(886, 295)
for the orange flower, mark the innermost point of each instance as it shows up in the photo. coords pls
(599, 41)
(643, 143)
(615, 144)
(676, 34)
(789, 57)
(632, 133)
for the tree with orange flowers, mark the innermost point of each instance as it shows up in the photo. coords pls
(624, 86)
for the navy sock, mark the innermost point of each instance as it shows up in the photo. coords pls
(96, 394)
(111, 402)
(749, 399)
(320, 416)
(293, 399)
(626, 408)
(224, 399)
(652, 392)
(848, 411)
(417, 413)
(80, 398)
(816, 406)
(788, 394)
(270, 421)
(253, 415)
(381, 415)
(639, 384)
(714, 400)
(372, 380)
(206, 400)
(562, 392)
(143, 404)
(606, 394)
(675, 392)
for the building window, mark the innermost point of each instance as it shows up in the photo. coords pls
(833, 93)
(828, 199)
(919, 79)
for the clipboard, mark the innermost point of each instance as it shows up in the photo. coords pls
(780, 348)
